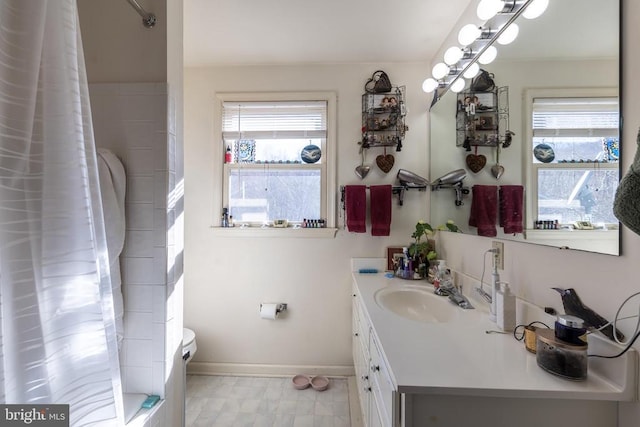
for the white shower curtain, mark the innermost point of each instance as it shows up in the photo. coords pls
(57, 330)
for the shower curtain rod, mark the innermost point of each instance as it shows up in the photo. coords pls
(148, 19)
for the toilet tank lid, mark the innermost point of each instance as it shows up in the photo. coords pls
(188, 336)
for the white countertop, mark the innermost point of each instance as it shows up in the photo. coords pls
(460, 358)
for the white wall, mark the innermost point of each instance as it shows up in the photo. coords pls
(227, 278)
(174, 368)
(118, 48)
(602, 281)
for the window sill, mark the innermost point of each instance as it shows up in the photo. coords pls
(573, 234)
(270, 232)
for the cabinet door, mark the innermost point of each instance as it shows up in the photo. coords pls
(381, 384)
(362, 381)
(361, 358)
(375, 418)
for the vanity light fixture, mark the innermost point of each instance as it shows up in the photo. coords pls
(487, 9)
(468, 34)
(472, 71)
(535, 9)
(458, 85)
(509, 34)
(453, 55)
(488, 56)
(477, 43)
(429, 85)
(440, 70)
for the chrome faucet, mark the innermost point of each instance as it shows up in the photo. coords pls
(484, 294)
(455, 294)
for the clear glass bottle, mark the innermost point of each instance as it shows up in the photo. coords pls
(224, 221)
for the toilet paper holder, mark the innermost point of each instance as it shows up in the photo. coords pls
(279, 308)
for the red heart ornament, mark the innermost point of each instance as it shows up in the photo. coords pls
(476, 162)
(385, 162)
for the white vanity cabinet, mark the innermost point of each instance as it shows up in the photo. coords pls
(452, 374)
(375, 388)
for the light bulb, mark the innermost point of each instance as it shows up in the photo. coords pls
(488, 55)
(472, 71)
(429, 85)
(487, 9)
(468, 34)
(509, 35)
(440, 70)
(452, 55)
(535, 9)
(458, 85)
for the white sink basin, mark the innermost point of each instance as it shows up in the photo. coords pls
(417, 303)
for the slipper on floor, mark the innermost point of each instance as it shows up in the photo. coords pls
(320, 383)
(300, 382)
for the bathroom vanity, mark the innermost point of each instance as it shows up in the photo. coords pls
(446, 370)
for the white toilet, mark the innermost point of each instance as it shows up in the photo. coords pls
(189, 346)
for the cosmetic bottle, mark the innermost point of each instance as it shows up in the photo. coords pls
(505, 308)
(227, 155)
(224, 221)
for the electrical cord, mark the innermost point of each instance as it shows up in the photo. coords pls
(484, 266)
(523, 326)
(622, 352)
(635, 334)
(615, 319)
(611, 323)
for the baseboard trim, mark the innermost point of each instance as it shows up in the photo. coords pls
(209, 368)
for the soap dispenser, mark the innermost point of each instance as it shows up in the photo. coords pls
(505, 308)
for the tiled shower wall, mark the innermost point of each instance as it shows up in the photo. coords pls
(135, 122)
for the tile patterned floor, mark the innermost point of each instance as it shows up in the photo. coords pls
(214, 401)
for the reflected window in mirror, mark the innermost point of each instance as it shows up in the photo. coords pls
(572, 165)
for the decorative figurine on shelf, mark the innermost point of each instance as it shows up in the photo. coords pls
(508, 138)
(470, 103)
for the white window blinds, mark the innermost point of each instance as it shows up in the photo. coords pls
(575, 117)
(274, 120)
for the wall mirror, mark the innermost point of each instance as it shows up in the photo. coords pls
(569, 55)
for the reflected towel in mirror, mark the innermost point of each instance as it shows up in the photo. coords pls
(511, 205)
(484, 209)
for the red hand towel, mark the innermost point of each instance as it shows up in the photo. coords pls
(380, 210)
(484, 209)
(511, 205)
(356, 207)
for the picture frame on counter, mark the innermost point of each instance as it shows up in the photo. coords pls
(393, 253)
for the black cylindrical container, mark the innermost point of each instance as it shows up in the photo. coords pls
(570, 329)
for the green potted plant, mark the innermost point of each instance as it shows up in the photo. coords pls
(424, 251)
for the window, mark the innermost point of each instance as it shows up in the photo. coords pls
(573, 165)
(281, 148)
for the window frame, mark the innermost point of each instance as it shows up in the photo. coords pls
(327, 167)
(531, 168)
